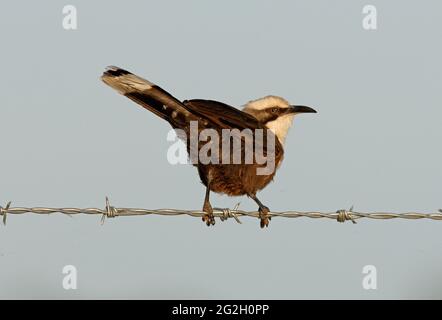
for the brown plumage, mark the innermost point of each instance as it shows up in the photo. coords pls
(273, 115)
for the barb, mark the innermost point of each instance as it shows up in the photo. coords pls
(344, 215)
(109, 211)
(4, 211)
(227, 213)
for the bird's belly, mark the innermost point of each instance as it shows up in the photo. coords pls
(233, 180)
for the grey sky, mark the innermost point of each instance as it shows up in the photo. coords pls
(68, 140)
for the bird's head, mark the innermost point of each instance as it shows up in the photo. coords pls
(275, 113)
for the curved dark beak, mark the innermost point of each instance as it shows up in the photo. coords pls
(301, 109)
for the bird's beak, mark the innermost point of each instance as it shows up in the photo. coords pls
(300, 109)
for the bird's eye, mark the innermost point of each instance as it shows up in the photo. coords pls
(275, 110)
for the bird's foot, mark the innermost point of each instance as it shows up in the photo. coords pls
(264, 216)
(208, 217)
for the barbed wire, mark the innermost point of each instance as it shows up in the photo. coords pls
(223, 214)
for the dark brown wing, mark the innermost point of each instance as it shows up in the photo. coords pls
(221, 114)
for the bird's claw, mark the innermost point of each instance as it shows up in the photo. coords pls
(208, 217)
(264, 216)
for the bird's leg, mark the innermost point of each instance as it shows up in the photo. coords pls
(263, 212)
(208, 217)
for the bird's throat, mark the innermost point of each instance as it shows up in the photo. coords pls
(281, 126)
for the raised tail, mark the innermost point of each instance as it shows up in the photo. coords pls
(148, 95)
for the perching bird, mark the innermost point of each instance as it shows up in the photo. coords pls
(271, 114)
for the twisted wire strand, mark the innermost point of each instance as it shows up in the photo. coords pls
(223, 214)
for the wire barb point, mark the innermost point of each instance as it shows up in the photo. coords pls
(109, 211)
(344, 215)
(226, 213)
(4, 211)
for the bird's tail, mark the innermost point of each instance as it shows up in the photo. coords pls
(148, 95)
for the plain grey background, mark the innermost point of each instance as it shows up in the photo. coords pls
(68, 140)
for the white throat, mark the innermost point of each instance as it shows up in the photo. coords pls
(281, 126)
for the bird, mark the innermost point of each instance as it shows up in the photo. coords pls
(272, 114)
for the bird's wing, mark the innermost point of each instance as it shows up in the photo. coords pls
(209, 114)
(221, 115)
